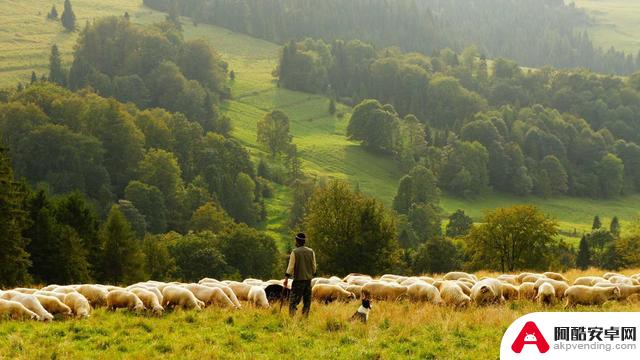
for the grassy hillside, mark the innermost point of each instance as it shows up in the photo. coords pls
(25, 42)
(616, 23)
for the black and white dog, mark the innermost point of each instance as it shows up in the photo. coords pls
(363, 311)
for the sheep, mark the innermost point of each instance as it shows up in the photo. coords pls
(210, 295)
(511, 279)
(96, 295)
(546, 294)
(559, 287)
(253, 282)
(227, 290)
(585, 295)
(78, 304)
(26, 290)
(509, 291)
(149, 299)
(465, 286)
(16, 310)
(555, 276)
(452, 294)
(611, 274)
(356, 290)
(526, 291)
(50, 287)
(319, 280)
(30, 302)
(626, 291)
(53, 305)
(150, 288)
(487, 291)
(422, 291)
(56, 295)
(520, 278)
(359, 280)
(331, 292)
(383, 291)
(179, 296)
(258, 297)
(410, 280)
(589, 280)
(456, 275)
(620, 279)
(64, 289)
(427, 279)
(241, 290)
(123, 299)
(532, 278)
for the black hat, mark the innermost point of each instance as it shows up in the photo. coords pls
(301, 238)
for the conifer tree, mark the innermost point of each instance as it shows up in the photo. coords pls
(68, 18)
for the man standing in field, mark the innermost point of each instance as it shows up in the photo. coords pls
(302, 266)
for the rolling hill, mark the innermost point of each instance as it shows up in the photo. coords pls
(323, 147)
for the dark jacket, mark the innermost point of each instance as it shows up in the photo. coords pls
(302, 264)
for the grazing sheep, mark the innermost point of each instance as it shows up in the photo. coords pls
(487, 291)
(546, 294)
(465, 286)
(258, 297)
(331, 292)
(424, 292)
(78, 304)
(381, 290)
(16, 310)
(26, 290)
(511, 279)
(356, 290)
(427, 279)
(555, 276)
(532, 278)
(123, 299)
(319, 280)
(457, 275)
(30, 302)
(526, 291)
(148, 287)
(227, 290)
(149, 300)
(410, 280)
(53, 305)
(559, 287)
(50, 287)
(509, 291)
(210, 295)
(64, 289)
(56, 295)
(611, 274)
(589, 280)
(355, 276)
(620, 279)
(452, 294)
(523, 275)
(96, 295)
(358, 280)
(178, 296)
(241, 290)
(584, 295)
(626, 291)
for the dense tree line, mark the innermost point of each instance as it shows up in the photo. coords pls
(547, 132)
(63, 239)
(150, 66)
(499, 28)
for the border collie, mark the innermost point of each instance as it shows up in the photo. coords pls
(363, 311)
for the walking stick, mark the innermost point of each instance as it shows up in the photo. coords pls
(282, 295)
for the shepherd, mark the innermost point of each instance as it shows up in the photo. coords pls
(302, 266)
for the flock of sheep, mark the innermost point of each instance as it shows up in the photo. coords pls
(456, 289)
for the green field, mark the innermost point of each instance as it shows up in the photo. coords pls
(25, 42)
(617, 23)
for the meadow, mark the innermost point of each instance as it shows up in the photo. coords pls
(395, 330)
(616, 23)
(25, 41)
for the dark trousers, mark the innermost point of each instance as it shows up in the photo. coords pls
(300, 289)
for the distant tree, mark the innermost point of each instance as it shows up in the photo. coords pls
(425, 220)
(34, 78)
(614, 227)
(149, 200)
(209, 217)
(374, 125)
(302, 191)
(437, 255)
(350, 232)
(53, 14)
(68, 18)
(158, 262)
(611, 175)
(465, 171)
(14, 259)
(628, 250)
(134, 217)
(174, 13)
(249, 252)
(519, 237)
(583, 261)
(459, 224)
(557, 175)
(160, 168)
(404, 197)
(196, 256)
(126, 15)
(56, 73)
(122, 261)
(243, 204)
(597, 224)
(273, 132)
(419, 186)
(232, 75)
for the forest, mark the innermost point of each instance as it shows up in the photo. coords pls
(532, 32)
(548, 132)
